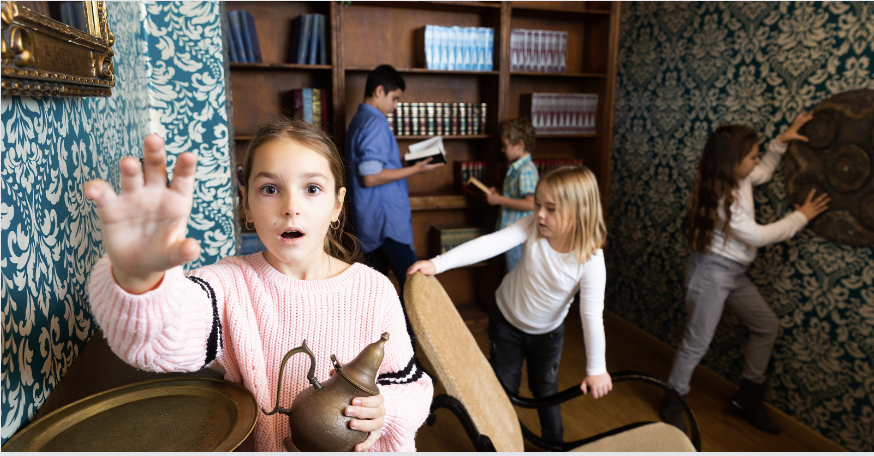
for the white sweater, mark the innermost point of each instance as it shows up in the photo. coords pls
(536, 295)
(745, 235)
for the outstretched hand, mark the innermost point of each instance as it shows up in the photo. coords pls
(813, 207)
(791, 134)
(424, 266)
(144, 227)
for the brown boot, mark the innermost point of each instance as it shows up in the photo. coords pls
(672, 412)
(748, 399)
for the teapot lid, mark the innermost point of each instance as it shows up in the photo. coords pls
(362, 370)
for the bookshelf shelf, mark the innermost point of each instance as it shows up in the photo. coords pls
(367, 69)
(464, 7)
(277, 66)
(569, 136)
(560, 14)
(444, 202)
(424, 137)
(558, 75)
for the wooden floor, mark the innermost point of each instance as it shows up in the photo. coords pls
(628, 348)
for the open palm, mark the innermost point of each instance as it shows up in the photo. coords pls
(144, 227)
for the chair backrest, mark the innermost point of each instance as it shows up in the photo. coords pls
(459, 363)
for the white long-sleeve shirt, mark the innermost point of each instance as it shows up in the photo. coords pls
(536, 295)
(745, 235)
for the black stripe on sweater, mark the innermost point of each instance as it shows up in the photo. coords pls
(214, 342)
(409, 374)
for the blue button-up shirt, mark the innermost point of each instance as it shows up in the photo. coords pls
(521, 181)
(382, 211)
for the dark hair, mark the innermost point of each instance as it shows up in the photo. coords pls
(517, 129)
(715, 183)
(338, 243)
(385, 76)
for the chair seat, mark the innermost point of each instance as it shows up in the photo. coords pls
(653, 437)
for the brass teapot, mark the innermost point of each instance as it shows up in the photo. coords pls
(316, 416)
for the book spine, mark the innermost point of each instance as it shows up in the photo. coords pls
(475, 117)
(462, 119)
(253, 35)
(438, 118)
(562, 52)
(323, 45)
(407, 121)
(447, 118)
(317, 107)
(399, 120)
(236, 28)
(306, 33)
(308, 105)
(247, 37)
(312, 54)
(454, 119)
(490, 48)
(298, 103)
(414, 117)
(391, 121)
(482, 124)
(232, 47)
(294, 38)
(514, 50)
(429, 116)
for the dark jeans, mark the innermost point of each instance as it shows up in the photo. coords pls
(399, 257)
(508, 347)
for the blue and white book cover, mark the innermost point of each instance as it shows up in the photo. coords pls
(452, 48)
(307, 105)
(490, 47)
(429, 47)
(445, 43)
(469, 49)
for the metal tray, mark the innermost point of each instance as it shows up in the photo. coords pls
(179, 414)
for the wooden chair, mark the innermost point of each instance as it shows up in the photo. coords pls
(485, 409)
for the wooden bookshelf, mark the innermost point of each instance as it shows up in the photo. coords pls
(364, 35)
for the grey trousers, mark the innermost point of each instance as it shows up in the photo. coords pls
(713, 282)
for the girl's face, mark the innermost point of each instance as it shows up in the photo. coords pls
(746, 165)
(512, 151)
(292, 203)
(548, 217)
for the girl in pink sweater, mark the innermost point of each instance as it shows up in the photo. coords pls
(241, 315)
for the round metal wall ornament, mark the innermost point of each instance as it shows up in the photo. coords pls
(837, 160)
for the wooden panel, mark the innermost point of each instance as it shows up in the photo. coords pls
(258, 94)
(273, 22)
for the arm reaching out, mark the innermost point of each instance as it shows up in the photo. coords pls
(144, 227)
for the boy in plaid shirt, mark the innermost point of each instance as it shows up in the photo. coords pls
(517, 143)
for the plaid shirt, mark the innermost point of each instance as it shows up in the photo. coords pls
(521, 180)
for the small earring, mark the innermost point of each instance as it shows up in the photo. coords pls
(335, 226)
(250, 228)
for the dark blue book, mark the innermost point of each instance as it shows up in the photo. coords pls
(298, 46)
(232, 49)
(253, 36)
(313, 57)
(323, 46)
(247, 38)
(237, 34)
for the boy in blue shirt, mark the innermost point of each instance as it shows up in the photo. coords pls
(380, 203)
(517, 144)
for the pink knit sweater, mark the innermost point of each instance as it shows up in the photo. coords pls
(241, 316)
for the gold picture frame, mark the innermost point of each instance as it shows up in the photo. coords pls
(42, 57)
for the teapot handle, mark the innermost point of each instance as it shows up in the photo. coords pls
(311, 376)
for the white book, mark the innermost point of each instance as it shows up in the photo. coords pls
(429, 47)
(490, 47)
(562, 52)
(431, 147)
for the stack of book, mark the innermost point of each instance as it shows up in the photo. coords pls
(307, 45)
(311, 105)
(421, 119)
(560, 113)
(538, 51)
(455, 48)
(463, 171)
(243, 44)
(446, 237)
(548, 164)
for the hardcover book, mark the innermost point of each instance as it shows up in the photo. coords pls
(476, 187)
(431, 147)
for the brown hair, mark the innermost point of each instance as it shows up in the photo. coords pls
(577, 199)
(725, 148)
(520, 128)
(338, 243)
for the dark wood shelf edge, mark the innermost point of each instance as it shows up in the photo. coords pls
(563, 136)
(470, 7)
(423, 137)
(426, 71)
(558, 75)
(560, 14)
(276, 66)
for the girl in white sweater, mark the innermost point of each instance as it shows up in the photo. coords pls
(721, 229)
(561, 255)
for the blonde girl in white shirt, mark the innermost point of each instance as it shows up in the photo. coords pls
(561, 255)
(722, 231)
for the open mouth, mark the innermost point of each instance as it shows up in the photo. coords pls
(292, 234)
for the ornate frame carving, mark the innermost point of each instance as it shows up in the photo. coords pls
(42, 57)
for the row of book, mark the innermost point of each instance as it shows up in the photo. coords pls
(307, 45)
(463, 171)
(446, 237)
(455, 48)
(438, 119)
(243, 44)
(538, 51)
(560, 113)
(311, 105)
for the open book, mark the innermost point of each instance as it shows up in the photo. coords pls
(478, 188)
(431, 147)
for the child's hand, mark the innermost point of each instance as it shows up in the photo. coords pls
(425, 166)
(600, 385)
(144, 227)
(791, 134)
(371, 410)
(813, 207)
(494, 198)
(425, 267)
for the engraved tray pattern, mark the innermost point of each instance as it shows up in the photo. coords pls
(180, 414)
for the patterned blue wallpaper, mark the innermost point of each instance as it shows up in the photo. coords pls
(685, 68)
(169, 79)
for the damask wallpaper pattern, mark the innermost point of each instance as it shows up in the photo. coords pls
(685, 68)
(169, 79)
